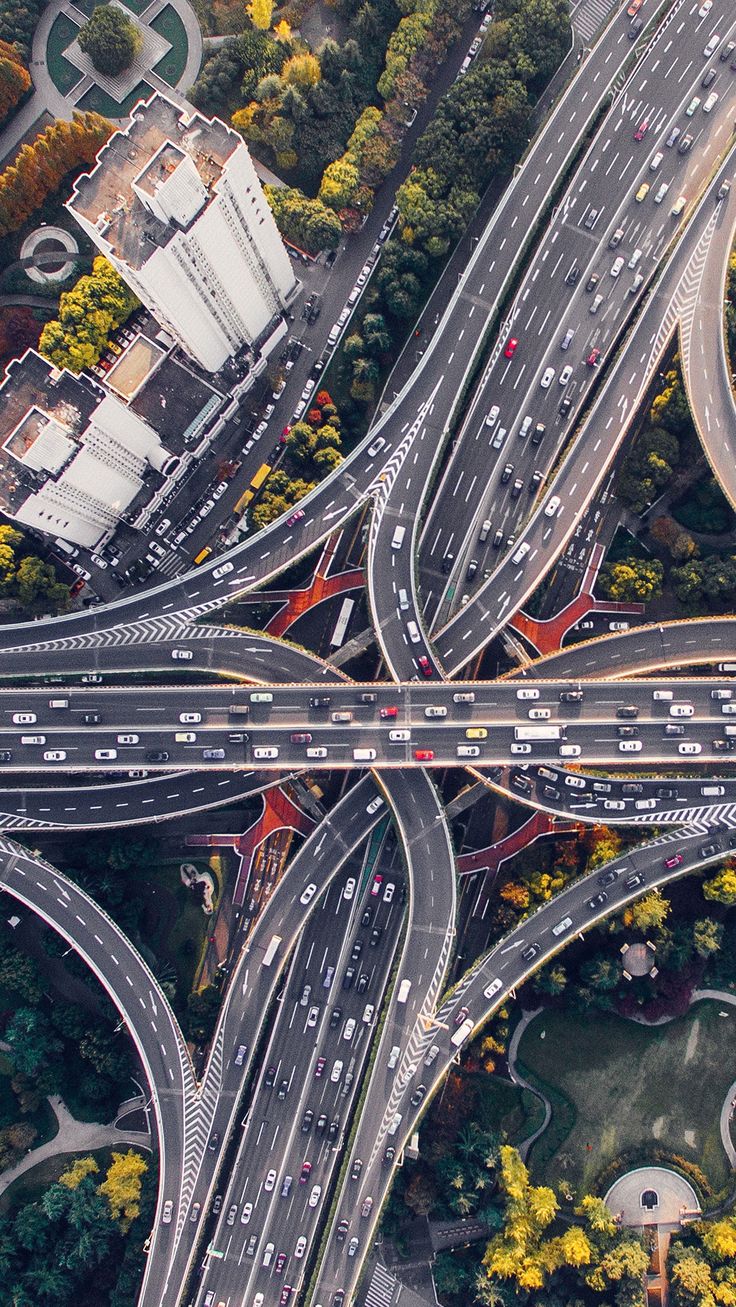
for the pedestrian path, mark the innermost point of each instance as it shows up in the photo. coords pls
(72, 1137)
(383, 1290)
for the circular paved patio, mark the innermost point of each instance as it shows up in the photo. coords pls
(652, 1195)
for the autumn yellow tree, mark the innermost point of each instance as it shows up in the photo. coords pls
(78, 1171)
(259, 12)
(122, 1186)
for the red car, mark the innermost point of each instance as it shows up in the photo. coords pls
(301, 737)
(673, 861)
(295, 517)
(319, 1068)
(389, 712)
(279, 1264)
(593, 358)
(284, 434)
(641, 130)
(306, 1172)
(423, 755)
(424, 665)
(376, 886)
(510, 349)
(285, 1295)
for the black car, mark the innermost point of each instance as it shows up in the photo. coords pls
(368, 697)
(348, 978)
(91, 718)
(6, 755)
(335, 1017)
(447, 562)
(342, 1229)
(357, 950)
(529, 954)
(376, 934)
(270, 1077)
(157, 755)
(217, 1204)
(357, 1168)
(732, 840)
(609, 877)
(627, 711)
(665, 792)
(521, 783)
(321, 1125)
(418, 1095)
(507, 473)
(283, 1090)
(571, 696)
(214, 1140)
(362, 984)
(565, 406)
(550, 792)
(367, 917)
(597, 901)
(632, 787)
(709, 850)
(307, 1120)
(472, 569)
(538, 433)
(592, 281)
(320, 700)
(674, 728)
(573, 274)
(627, 732)
(389, 1155)
(334, 1129)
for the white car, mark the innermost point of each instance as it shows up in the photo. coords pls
(128, 739)
(552, 506)
(565, 375)
(399, 735)
(23, 718)
(99, 562)
(681, 710)
(631, 746)
(184, 655)
(548, 377)
(315, 1195)
(163, 526)
(269, 1181)
(313, 1017)
(540, 714)
(167, 1212)
(705, 9)
(349, 1030)
(222, 570)
(689, 748)
(349, 889)
(336, 1071)
(301, 1245)
(711, 102)
(54, 755)
(617, 265)
(190, 716)
(521, 748)
(529, 693)
(492, 415)
(308, 894)
(570, 750)
(246, 1213)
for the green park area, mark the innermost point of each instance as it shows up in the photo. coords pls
(617, 1086)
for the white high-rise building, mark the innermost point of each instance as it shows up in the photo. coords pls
(175, 204)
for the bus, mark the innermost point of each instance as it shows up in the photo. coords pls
(539, 732)
(341, 626)
(462, 1033)
(403, 993)
(203, 553)
(255, 485)
(272, 950)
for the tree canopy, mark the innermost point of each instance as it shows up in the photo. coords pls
(111, 39)
(98, 304)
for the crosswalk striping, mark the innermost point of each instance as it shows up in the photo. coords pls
(589, 17)
(383, 1289)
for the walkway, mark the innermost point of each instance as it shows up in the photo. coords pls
(47, 98)
(546, 636)
(490, 858)
(518, 1079)
(278, 812)
(321, 587)
(73, 1137)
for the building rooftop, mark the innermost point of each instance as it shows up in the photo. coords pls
(159, 142)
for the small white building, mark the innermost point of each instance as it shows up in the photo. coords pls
(72, 458)
(175, 204)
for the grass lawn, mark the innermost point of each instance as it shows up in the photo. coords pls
(177, 929)
(502, 1106)
(97, 101)
(617, 1085)
(33, 1183)
(169, 25)
(63, 73)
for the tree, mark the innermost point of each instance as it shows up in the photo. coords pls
(551, 980)
(259, 12)
(421, 1193)
(707, 936)
(78, 1171)
(632, 579)
(111, 39)
(302, 70)
(649, 913)
(122, 1186)
(15, 80)
(722, 888)
(32, 1045)
(96, 305)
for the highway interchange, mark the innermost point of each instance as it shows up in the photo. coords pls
(221, 1137)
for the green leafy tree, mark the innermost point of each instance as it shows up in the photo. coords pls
(111, 39)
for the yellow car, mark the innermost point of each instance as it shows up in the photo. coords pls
(476, 733)
(642, 192)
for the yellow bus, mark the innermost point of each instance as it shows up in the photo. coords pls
(203, 553)
(253, 488)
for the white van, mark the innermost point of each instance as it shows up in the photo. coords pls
(712, 791)
(363, 755)
(393, 1057)
(403, 600)
(521, 553)
(395, 1123)
(397, 538)
(663, 696)
(562, 926)
(58, 703)
(413, 630)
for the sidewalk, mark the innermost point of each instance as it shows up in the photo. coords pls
(72, 1137)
